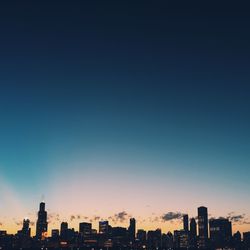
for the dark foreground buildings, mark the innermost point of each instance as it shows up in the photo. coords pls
(196, 234)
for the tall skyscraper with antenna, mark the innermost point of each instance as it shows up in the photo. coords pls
(41, 224)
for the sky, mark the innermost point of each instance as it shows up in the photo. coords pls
(117, 109)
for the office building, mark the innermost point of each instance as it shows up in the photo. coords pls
(42, 224)
(185, 222)
(103, 227)
(220, 232)
(132, 229)
(203, 227)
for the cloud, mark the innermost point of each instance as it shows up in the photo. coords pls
(18, 223)
(154, 219)
(32, 223)
(72, 217)
(121, 217)
(53, 217)
(237, 218)
(172, 216)
(246, 222)
(96, 218)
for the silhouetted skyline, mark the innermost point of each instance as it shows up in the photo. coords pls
(139, 104)
(212, 233)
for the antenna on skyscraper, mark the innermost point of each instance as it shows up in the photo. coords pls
(42, 198)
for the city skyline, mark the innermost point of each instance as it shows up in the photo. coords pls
(128, 108)
(200, 232)
(167, 222)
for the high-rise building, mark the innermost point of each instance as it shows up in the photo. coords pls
(185, 222)
(193, 233)
(181, 239)
(203, 227)
(141, 236)
(42, 224)
(193, 228)
(154, 239)
(237, 240)
(85, 229)
(170, 241)
(55, 234)
(246, 240)
(220, 232)
(103, 227)
(26, 228)
(119, 237)
(132, 229)
(63, 231)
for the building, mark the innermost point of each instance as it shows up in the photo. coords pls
(246, 240)
(203, 227)
(63, 231)
(119, 237)
(167, 241)
(237, 240)
(141, 236)
(103, 227)
(185, 222)
(85, 230)
(42, 224)
(154, 239)
(26, 228)
(55, 234)
(132, 229)
(220, 232)
(193, 233)
(181, 239)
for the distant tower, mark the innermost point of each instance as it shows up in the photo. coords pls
(203, 226)
(193, 233)
(41, 224)
(132, 229)
(26, 227)
(193, 228)
(63, 231)
(185, 222)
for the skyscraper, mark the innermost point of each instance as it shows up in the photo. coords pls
(220, 232)
(42, 224)
(181, 239)
(185, 222)
(193, 227)
(203, 227)
(142, 236)
(132, 229)
(64, 230)
(26, 227)
(193, 233)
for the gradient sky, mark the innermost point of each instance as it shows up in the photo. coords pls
(115, 106)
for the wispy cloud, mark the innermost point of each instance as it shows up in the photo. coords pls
(119, 217)
(169, 216)
(239, 219)
(53, 217)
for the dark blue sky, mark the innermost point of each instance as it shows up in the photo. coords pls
(147, 87)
